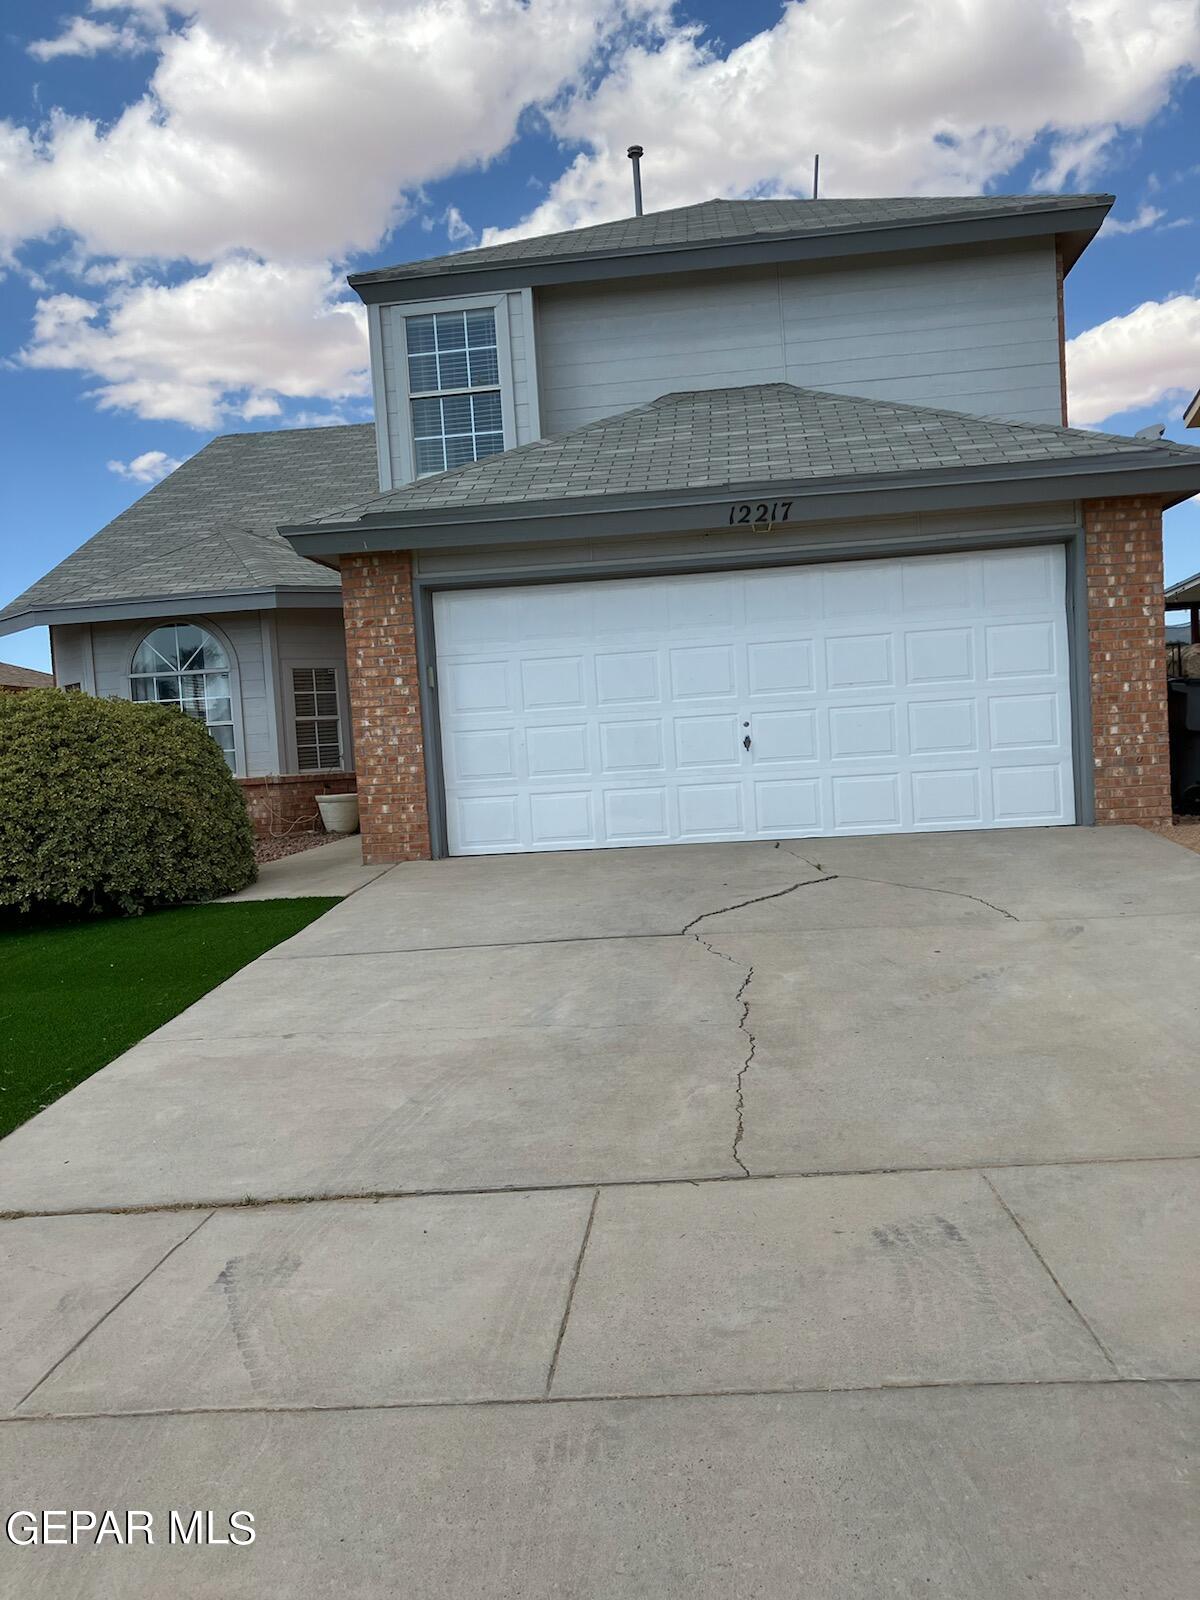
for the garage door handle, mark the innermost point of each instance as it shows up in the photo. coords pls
(746, 742)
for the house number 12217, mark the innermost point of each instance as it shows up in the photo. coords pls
(764, 511)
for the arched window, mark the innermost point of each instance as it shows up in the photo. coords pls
(183, 665)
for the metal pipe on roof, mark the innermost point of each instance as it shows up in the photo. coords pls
(635, 154)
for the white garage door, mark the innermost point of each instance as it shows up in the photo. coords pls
(919, 693)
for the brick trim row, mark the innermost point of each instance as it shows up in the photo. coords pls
(286, 802)
(385, 705)
(1131, 754)
(1123, 545)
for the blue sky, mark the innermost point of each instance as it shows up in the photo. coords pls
(182, 189)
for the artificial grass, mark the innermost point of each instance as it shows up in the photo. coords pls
(73, 998)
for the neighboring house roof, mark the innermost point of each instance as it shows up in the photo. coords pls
(688, 450)
(1184, 593)
(206, 535)
(13, 677)
(806, 227)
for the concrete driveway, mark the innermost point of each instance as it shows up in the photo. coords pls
(743, 1220)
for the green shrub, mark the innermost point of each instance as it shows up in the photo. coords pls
(107, 806)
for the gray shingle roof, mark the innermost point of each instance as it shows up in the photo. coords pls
(210, 527)
(764, 434)
(727, 221)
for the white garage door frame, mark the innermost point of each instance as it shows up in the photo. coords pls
(492, 574)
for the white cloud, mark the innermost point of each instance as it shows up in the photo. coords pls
(1150, 356)
(293, 128)
(457, 226)
(1147, 216)
(83, 37)
(233, 341)
(276, 137)
(149, 467)
(924, 98)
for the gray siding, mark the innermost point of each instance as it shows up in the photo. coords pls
(309, 639)
(264, 643)
(523, 396)
(974, 332)
(71, 650)
(693, 551)
(111, 650)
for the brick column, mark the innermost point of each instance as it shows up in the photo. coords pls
(389, 743)
(1128, 662)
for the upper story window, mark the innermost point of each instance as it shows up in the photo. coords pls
(454, 388)
(185, 666)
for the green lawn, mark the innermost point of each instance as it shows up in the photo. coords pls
(72, 998)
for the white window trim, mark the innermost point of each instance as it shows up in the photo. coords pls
(144, 631)
(498, 304)
(289, 721)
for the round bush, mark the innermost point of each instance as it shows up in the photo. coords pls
(107, 806)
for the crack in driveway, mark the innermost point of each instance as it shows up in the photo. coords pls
(739, 1101)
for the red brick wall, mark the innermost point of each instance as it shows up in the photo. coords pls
(286, 803)
(1128, 668)
(385, 705)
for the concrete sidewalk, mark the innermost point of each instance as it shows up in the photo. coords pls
(326, 869)
(742, 1220)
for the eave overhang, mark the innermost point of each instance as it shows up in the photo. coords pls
(172, 605)
(1073, 226)
(813, 500)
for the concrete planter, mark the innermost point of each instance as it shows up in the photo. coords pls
(339, 812)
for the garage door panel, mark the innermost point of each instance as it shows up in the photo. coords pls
(943, 727)
(698, 672)
(628, 677)
(636, 816)
(1021, 650)
(939, 655)
(947, 798)
(947, 707)
(632, 746)
(1029, 794)
(558, 752)
(789, 807)
(859, 661)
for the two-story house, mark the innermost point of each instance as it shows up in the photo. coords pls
(752, 519)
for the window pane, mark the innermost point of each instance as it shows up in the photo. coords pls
(165, 689)
(456, 413)
(459, 450)
(485, 368)
(218, 710)
(488, 444)
(158, 652)
(452, 370)
(427, 418)
(143, 688)
(487, 412)
(191, 693)
(481, 328)
(422, 373)
(418, 335)
(429, 456)
(451, 330)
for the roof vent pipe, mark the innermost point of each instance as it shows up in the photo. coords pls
(816, 176)
(635, 154)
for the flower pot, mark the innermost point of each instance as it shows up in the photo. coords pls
(339, 812)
